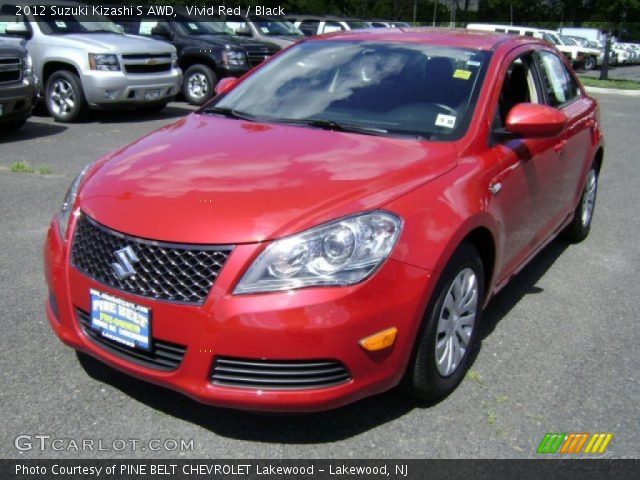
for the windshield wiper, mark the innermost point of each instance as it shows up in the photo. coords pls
(230, 113)
(336, 126)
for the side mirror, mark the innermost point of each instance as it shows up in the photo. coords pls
(225, 85)
(160, 31)
(533, 120)
(18, 29)
(244, 31)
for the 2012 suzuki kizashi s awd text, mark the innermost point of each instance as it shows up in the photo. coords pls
(332, 224)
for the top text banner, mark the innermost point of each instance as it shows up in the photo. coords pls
(97, 12)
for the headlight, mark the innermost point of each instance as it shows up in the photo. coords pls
(234, 57)
(104, 61)
(339, 253)
(27, 66)
(70, 198)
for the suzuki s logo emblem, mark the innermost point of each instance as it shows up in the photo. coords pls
(123, 266)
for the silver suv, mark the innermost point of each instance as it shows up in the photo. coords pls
(92, 64)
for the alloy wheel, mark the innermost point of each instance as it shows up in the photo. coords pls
(198, 85)
(63, 99)
(589, 197)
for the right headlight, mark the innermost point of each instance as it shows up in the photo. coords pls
(234, 58)
(106, 62)
(343, 252)
(64, 214)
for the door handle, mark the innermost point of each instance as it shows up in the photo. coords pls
(559, 146)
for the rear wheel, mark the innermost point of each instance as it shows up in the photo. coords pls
(449, 328)
(580, 226)
(65, 97)
(198, 85)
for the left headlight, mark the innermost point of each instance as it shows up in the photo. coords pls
(234, 57)
(67, 205)
(343, 252)
(107, 62)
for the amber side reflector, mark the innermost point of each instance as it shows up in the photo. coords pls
(380, 340)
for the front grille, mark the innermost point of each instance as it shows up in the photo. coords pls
(256, 57)
(162, 356)
(281, 375)
(157, 68)
(145, 56)
(164, 271)
(10, 69)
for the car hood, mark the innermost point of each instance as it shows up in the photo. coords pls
(116, 43)
(209, 179)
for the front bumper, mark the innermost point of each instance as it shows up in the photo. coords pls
(104, 89)
(18, 100)
(307, 324)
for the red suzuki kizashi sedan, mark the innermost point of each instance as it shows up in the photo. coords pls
(332, 224)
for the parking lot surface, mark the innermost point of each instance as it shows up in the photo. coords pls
(558, 350)
(622, 72)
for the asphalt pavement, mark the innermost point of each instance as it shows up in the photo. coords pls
(620, 72)
(559, 350)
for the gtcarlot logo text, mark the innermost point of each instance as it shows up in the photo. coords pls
(44, 443)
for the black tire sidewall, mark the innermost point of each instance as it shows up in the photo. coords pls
(211, 80)
(80, 107)
(590, 63)
(423, 378)
(577, 231)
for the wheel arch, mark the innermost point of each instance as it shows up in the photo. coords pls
(188, 60)
(52, 66)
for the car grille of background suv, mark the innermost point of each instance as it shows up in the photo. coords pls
(255, 56)
(141, 63)
(162, 356)
(164, 271)
(281, 375)
(10, 69)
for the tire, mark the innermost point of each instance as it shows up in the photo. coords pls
(580, 226)
(590, 63)
(156, 108)
(425, 378)
(13, 125)
(199, 83)
(64, 97)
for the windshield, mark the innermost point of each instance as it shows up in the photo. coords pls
(70, 24)
(271, 26)
(193, 27)
(405, 89)
(569, 41)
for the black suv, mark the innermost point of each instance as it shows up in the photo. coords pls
(207, 51)
(18, 86)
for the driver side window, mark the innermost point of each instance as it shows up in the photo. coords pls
(519, 86)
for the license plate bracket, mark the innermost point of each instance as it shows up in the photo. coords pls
(152, 94)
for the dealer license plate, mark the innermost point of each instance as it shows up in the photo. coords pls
(152, 94)
(121, 321)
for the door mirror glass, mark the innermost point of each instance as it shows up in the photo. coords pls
(534, 120)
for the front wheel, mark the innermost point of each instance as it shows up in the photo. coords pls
(580, 226)
(449, 328)
(65, 97)
(590, 63)
(199, 82)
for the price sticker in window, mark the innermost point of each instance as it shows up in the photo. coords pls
(447, 121)
(462, 74)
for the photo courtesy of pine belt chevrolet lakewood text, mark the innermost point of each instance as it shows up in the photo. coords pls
(332, 224)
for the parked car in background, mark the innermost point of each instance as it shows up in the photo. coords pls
(592, 45)
(388, 24)
(573, 53)
(18, 85)
(593, 57)
(332, 225)
(593, 34)
(269, 29)
(92, 64)
(318, 24)
(624, 54)
(207, 51)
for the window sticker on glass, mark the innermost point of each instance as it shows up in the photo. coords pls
(60, 24)
(447, 121)
(462, 74)
(193, 27)
(264, 29)
(473, 63)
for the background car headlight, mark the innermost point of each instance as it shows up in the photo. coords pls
(234, 57)
(27, 66)
(104, 62)
(339, 253)
(67, 205)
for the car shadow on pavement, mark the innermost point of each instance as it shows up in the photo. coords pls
(330, 426)
(31, 131)
(137, 115)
